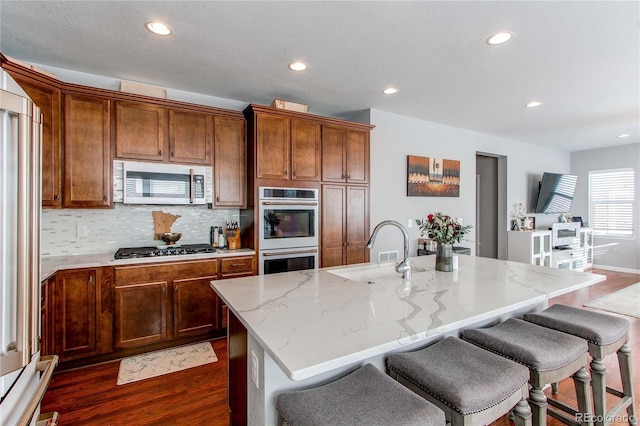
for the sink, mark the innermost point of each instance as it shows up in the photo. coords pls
(373, 272)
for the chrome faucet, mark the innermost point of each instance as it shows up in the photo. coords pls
(403, 267)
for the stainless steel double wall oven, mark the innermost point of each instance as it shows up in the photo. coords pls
(288, 229)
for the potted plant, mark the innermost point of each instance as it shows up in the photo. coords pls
(445, 231)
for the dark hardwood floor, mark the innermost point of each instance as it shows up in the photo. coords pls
(197, 396)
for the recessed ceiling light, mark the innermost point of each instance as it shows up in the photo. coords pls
(297, 66)
(390, 91)
(499, 38)
(533, 104)
(158, 28)
(624, 135)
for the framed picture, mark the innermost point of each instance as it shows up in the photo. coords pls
(432, 177)
(532, 223)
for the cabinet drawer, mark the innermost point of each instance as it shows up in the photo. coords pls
(165, 271)
(237, 265)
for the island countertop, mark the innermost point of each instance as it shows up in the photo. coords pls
(313, 321)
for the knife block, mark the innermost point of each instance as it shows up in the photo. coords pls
(233, 239)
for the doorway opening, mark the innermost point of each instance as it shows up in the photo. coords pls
(491, 206)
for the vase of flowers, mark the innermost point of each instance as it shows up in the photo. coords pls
(445, 231)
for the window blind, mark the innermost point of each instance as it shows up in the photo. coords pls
(612, 202)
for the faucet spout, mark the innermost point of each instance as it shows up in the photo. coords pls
(403, 267)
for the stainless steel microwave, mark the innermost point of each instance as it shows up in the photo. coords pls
(159, 183)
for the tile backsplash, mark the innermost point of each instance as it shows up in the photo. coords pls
(123, 226)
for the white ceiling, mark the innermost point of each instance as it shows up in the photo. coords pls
(580, 58)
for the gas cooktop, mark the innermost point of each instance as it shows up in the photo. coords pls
(172, 250)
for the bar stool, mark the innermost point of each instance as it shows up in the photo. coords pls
(472, 386)
(550, 356)
(366, 396)
(605, 335)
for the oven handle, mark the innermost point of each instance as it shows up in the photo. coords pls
(280, 253)
(192, 187)
(289, 203)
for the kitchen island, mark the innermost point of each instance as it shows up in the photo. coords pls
(300, 329)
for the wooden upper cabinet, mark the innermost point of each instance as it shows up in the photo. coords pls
(305, 150)
(140, 131)
(49, 100)
(190, 137)
(345, 155)
(272, 154)
(87, 151)
(230, 163)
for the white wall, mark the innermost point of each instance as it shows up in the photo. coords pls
(395, 137)
(610, 253)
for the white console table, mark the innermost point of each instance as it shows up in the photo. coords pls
(535, 247)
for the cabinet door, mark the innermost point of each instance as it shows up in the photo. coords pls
(49, 101)
(140, 131)
(333, 154)
(230, 162)
(305, 150)
(357, 156)
(87, 145)
(357, 224)
(272, 154)
(74, 313)
(141, 314)
(195, 306)
(333, 224)
(190, 137)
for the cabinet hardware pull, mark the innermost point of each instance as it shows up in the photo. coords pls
(90, 279)
(172, 154)
(296, 203)
(104, 198)
(293, 173)
(164, 290)
(235, 265)
(175, 288)
(286, 173)
(348, 176)
(217, 199)
(56, 197)
(159, 153)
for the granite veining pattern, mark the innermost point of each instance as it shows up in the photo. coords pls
(315, 320)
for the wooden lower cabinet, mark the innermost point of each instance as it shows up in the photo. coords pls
(164, 301)
(74, 313)
(141, 314)
(345, 224)
(195, 307)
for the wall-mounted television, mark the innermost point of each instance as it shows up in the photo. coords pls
(556, 193)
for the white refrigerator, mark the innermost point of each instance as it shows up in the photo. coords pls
(24, 375)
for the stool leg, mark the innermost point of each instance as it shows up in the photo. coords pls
(598, 373)
(522, 413)
(554, 388)
(583, 394)
(538, 403)
(624, 360)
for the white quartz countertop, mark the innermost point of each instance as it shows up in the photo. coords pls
(53, 264)
(314, 321)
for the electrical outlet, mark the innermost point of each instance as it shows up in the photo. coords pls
(81, 231)
(254, 369)
(409, 223)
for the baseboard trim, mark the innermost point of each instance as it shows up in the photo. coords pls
(616, 269)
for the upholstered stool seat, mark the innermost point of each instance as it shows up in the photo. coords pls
(471, 385)
(365, 397)
(605, 335)
(550, 356)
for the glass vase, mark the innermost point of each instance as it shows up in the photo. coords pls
(444, 257)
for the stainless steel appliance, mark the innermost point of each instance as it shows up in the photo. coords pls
(21, 384)
(172, 250)
(158, 183)
(288, 229)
